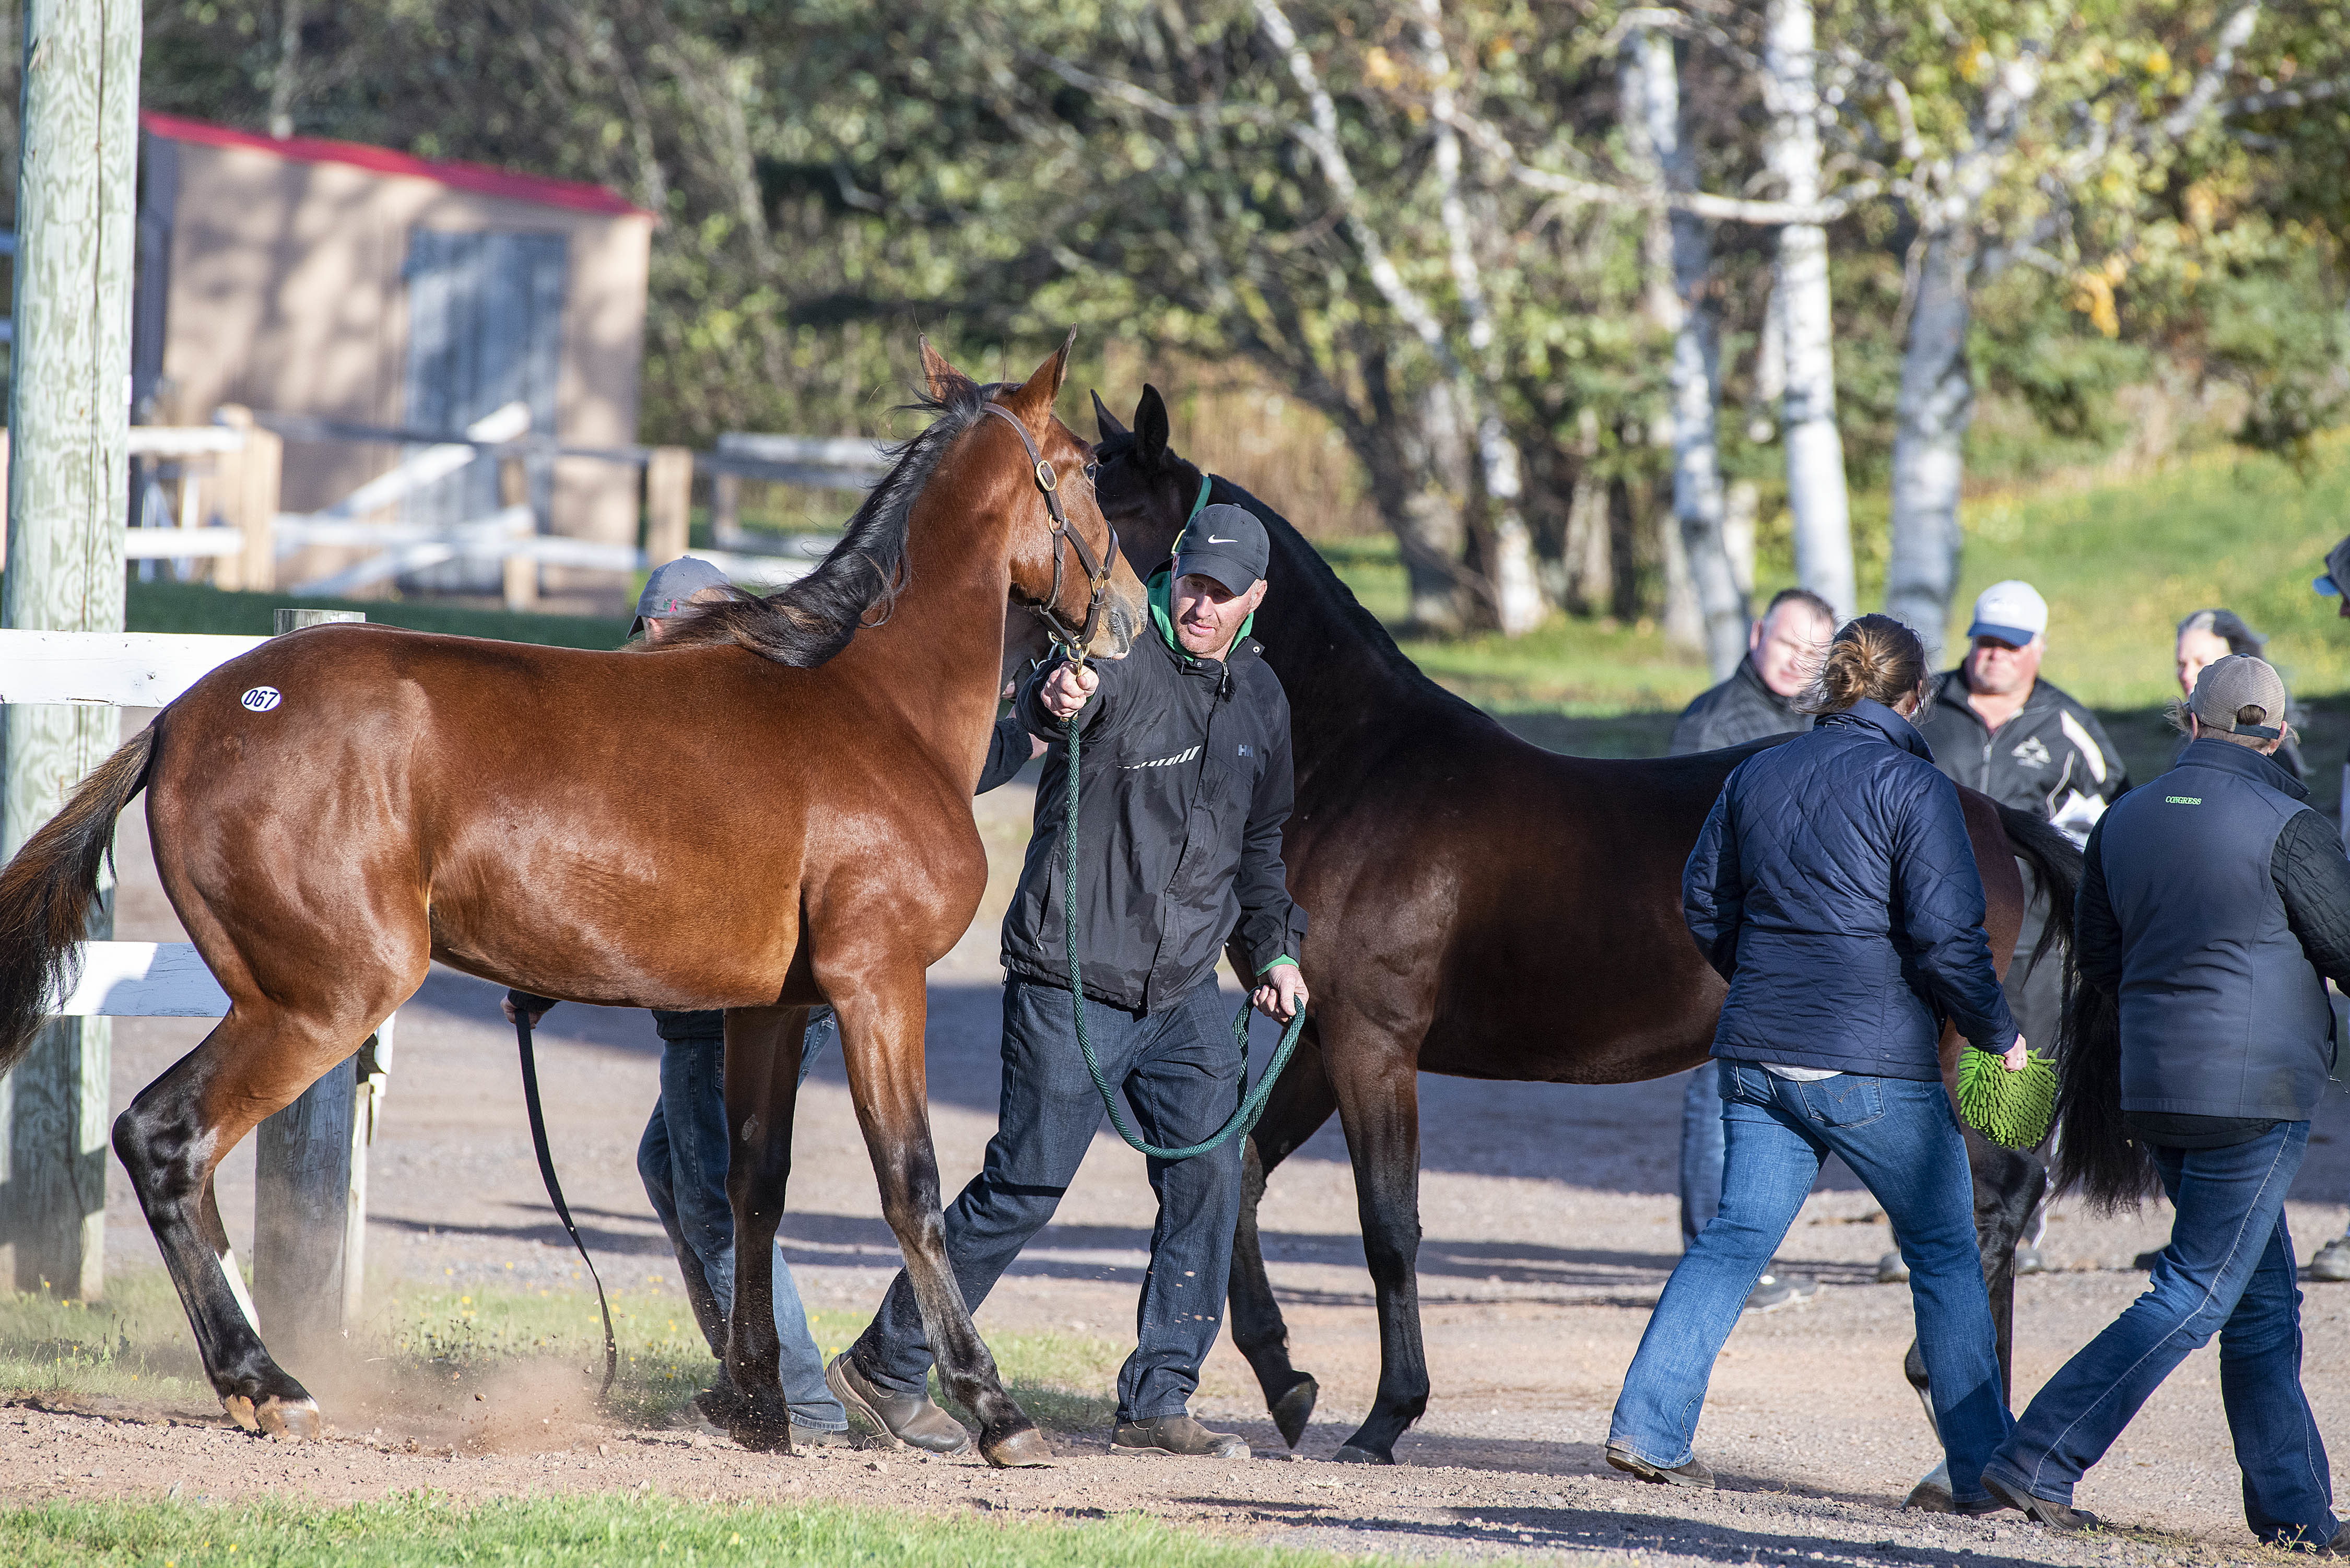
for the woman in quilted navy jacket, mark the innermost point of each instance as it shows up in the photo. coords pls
(1834, 888)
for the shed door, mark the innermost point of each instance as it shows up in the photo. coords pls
(485, 328)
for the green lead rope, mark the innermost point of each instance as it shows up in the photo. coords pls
(1252, 1105)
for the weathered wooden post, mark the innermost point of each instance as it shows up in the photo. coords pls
(248, 484)
(521, 572)
(310, 1176)
(76, 178)
(669, 504)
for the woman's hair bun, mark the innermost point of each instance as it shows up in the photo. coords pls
(1874, 657)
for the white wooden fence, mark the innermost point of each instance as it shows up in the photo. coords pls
(246, 452)
(310, 1160)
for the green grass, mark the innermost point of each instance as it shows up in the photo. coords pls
(135, 1344)
(194, 608)
(599, 1529)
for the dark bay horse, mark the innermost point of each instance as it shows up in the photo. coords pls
(1482, 907)
(552, 820)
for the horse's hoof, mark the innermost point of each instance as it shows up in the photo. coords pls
(1017, 1451)
(297, 1418)
(240, 1410)
(1294, 1408)
(1349, 1454)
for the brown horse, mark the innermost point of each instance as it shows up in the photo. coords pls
(552, 820)
(1480, 907)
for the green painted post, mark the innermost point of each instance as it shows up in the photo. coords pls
(68, 481)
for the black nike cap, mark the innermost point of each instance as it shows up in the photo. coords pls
(1226, 543)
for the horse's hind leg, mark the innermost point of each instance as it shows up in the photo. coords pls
(763, 1078)
(881, 1046)
(172, 1141)
(1300, 1104)
(1378, 1081)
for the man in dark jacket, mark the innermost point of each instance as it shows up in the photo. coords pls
(1782, 650)
(1186, 783)
(1997, 727)
(2214, 905)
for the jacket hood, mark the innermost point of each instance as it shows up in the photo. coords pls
(1161, 590)
(2244, 762)
(1868, 715)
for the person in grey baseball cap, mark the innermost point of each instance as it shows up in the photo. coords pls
(673, 586)
(1184, 761)
(2214, 906)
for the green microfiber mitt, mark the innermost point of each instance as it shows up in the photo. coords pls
(2009, 1108)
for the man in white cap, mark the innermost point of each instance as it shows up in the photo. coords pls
(1996, 726)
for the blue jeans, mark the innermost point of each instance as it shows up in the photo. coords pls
(1180, 1068)
(1900, 1138)
(682, 1158)
(1701, 1152)
(2229, 1270)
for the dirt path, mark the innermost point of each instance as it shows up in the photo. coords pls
(1550, 1222)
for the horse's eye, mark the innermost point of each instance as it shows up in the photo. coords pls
(1091, 470)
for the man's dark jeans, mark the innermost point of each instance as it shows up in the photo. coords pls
(2228, 1269)
(1180, 1069)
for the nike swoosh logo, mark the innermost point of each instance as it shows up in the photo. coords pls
(1213, 540)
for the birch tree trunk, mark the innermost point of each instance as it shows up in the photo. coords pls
(1815, 482)
(1937, 398)
(1652, 111)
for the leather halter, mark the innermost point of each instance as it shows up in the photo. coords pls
(1073, 639)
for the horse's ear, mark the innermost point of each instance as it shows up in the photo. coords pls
(945, 380)
(1037, 394)
(1151, 425)
(1105, 421)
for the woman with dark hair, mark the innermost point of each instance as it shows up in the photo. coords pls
(2208, 637)
(1834, 887)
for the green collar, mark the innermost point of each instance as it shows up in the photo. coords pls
(1162, 586)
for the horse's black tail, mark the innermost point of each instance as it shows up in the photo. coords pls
(2094, 1151)
(2058, 865)
(46, 890)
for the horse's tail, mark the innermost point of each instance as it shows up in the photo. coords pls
(46, 890)
(2058, 865)
(2094, 1152)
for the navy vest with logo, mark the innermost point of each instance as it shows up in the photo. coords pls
(2223, 1014)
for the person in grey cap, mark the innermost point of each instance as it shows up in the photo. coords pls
(2214, 906)
(1186, 782)
(683, 1157)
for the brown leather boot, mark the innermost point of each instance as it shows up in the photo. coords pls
(1178, 1435)
(893, 1419)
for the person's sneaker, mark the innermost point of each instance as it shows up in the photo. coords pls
(2040, 1510)
(1178, 1435)
(2028, 1260)
(892, 1418)
(1775, 1290)
(1693, 1474)
(2332, 1262)
(1891, 1269)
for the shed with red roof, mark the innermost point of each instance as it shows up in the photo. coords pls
(356, 284)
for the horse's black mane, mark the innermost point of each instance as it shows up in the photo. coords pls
(1336, 598)
(806, 622)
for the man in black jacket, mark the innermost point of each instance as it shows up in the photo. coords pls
(2214, 905)
(1186, 783)
(1783, 653)
(1782, 650)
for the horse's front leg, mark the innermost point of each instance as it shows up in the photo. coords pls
(1300, 1104)
(881, 1046)
(1376, 1074)
(762, 1078)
